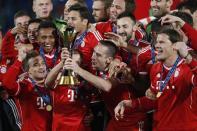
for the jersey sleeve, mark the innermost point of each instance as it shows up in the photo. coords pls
(191, 33)
(193, 77)
(10, 78)
(8, 50)
(143, 57)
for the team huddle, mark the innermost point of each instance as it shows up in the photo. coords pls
(133, 75)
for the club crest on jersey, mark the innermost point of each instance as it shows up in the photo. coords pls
(3, 69)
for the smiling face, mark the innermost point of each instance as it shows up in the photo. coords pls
(125, 27)
(37, 68)
(42, 8)
(47, 39)
(160, 7)
(117, 7)
(98, 8)
(76, 21)
(32, 32)
(164, 47)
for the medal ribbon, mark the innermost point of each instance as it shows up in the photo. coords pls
(46, 98)
(172, 70)
(79, 40)
(114, 28)
(152, 54)
(41, 50)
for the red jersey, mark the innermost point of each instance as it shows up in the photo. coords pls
(86, 46)
(108, 26)
(35, 117)
(103, 27)
(8, 50)
(142, 10)
(172, 112)
(51, 59)
(145, 60)
(69, 109)
(191, 33)
(133, 120)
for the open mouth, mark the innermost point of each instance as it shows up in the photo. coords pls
(123, 34)
(47, 45)
(41, 71)
(45, 12)
(32, 38)
(155, 9)
(159, 51)
(93, 63)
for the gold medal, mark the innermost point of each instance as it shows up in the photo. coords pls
(49, 107)
(158, 94)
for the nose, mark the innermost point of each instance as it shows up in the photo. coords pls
(42, 66)
(69, 21)
(44, 6)
(120, 30)
(112, 9)
(47, 40)
(93, 13)
(156, 44)
(93, 56)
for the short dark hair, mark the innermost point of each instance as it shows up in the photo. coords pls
(20, 13)
(127, 14)
(25, 63)
(112, 48)
(56, 33)
(173, 35)
(46, 24)
(130, 5)
(191, 5)
(35, 21)
(184, 16)
(156, 26)
(83, 11)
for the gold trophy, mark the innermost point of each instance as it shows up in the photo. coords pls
(68, 77)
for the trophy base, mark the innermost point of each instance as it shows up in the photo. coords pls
(68, 80)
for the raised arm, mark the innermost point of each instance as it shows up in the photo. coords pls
(53, 74)
(10, 79)
(98, 82)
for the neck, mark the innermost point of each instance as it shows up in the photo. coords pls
(39, 82)
(83, 30)
(170, 61)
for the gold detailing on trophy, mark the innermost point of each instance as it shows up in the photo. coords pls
(68, 77)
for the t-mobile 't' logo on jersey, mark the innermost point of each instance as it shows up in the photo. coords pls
(40, 103)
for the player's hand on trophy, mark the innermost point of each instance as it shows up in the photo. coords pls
(70, 64)
(64, 54)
